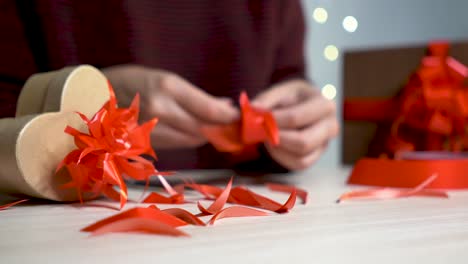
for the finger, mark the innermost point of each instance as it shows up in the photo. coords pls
(172, 114)
(303, 142)
(164, 137)
(280, 94)
(304, 113)
(292, 161)
(204, 106)
(226, 100)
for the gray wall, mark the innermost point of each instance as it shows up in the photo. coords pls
(381, 23)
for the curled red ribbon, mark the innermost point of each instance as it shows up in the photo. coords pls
(391, 193)
(166, 222)
(255, 126)
(110, 151)
(8, 205)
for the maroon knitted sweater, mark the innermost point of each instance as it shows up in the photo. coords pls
(222, 47)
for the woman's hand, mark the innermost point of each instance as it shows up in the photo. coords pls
(180, 106)
(306, 121)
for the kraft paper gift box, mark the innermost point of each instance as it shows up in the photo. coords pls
(33, 143)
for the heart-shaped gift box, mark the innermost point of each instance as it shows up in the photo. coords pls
(33, 143)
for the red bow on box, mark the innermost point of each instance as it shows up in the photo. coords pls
(110, 151)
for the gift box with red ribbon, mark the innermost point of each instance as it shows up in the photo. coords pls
(412, 131)
(429, 112)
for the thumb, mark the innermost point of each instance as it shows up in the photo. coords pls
(277, 95)
(203, 105)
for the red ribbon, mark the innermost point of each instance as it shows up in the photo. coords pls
(451, 173)
(255, 126)
(110, 151)
(390, 193)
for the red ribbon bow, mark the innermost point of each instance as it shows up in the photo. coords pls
(110, 151)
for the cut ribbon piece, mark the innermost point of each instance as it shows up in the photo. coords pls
(8, 205)
(139, 225)
(110, 152)
(154, 197)
(389, 193)
(150, 220)
(244, 196)
(301, 193)
(254, 127)
(185, 215)
(219, 203)
(236, 211)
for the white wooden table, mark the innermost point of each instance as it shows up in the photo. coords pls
(413, 230)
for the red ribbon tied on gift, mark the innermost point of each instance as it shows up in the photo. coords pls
(254, 126)
(110, 151)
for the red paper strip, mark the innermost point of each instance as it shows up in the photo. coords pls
(219, 203)
(388, 193)
(8, 205)
(150, 213)
(184, 215)
(139, 225)
(236, 211)
(209, 191)
(247, 197)
(254, 127)
(158, 198)
(288, 189)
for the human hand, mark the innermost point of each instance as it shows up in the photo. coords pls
(180, 106)
(306, 122)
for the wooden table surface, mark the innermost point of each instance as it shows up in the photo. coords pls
(411, 230)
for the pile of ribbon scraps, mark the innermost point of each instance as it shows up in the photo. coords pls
(429, 114)
(391, 193)
(110, 151)
(165, 222)
(255, 126)
(431, 111)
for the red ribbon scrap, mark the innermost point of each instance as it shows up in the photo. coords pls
(165, 222)
(389, 193)
(429, 114)
(110, 151)
(255, 126)
(8, 205)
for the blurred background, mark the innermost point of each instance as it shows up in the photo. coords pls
(337, 26)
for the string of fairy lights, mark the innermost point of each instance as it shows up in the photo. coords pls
(331, 52)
